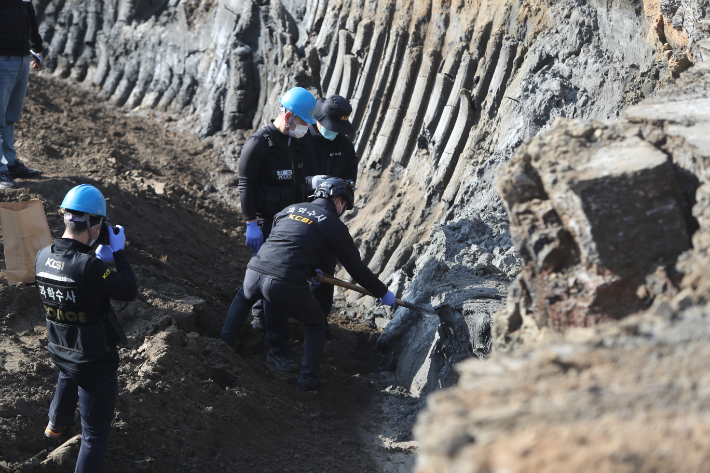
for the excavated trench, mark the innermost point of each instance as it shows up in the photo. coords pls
(443, 94)
(187, 402)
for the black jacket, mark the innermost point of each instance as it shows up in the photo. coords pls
(18, 29)
(336, 158)
(304, 238)
(75, 289)
(272, 173)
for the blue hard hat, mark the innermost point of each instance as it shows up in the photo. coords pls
(301, 103)
(86, 198)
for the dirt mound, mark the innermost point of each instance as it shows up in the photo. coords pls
(187, 402)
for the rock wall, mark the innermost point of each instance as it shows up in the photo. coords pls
(596, 208)
(443, 93)
(601, 212)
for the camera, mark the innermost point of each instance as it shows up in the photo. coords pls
(103, 234)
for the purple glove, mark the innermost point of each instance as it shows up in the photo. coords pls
(117, 240)
(388, 299)
(254, 236)
(104, 253)
(313, 279)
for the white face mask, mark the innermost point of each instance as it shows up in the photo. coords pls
(299, 132)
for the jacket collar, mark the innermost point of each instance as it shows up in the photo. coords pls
(276, 133)
(65, 246)
(326, 205)
(316, 134)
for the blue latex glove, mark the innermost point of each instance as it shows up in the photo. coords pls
(388, 299)
(254, 236)
(104, 253)
(313, 279)
(118, 242)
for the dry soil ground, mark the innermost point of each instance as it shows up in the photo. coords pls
(187, 402)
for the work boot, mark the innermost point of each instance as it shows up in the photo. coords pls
(6, 180)
(20, 170)
(257, 323)
(305, 387)
(282, 361)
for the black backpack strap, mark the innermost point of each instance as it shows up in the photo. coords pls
(265, 134)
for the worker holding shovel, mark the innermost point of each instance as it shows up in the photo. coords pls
(304, 237)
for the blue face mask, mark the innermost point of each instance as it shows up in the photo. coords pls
(327, 134)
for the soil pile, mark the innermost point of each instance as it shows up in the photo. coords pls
(187, 402)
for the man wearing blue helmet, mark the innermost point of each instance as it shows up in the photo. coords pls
(75, 288)
(273, 167)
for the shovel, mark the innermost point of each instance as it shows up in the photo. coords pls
(328, 279)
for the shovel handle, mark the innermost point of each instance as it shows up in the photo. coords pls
(326, 278)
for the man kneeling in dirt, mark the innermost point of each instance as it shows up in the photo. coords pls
(304, 237)
(82, 329)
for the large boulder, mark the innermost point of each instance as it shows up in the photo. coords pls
(595, 210)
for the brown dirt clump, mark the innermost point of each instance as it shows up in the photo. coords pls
(187, 402)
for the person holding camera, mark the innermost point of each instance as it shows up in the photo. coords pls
(82, 329)
(273, 166)
(20, 47)
(304, 238)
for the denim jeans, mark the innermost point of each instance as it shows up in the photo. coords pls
(282, 298)
(96, 394)
(14, 74)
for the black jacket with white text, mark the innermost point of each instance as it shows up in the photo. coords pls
(305, 237)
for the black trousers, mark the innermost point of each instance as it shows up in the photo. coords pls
(324, 292)
(265, 223)
(282, 298)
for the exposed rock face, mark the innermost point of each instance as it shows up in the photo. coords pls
(442, 93)
(627, 395)
(595, 209)
(600, 212)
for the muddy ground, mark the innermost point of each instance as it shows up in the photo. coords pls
(187, 402)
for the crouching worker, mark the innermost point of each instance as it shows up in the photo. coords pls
(304, 237)
(82, 329)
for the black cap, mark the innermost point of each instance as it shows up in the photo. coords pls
(334, 114)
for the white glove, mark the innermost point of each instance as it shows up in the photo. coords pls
(104, 253)
(118, 242)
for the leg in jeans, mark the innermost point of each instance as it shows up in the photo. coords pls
(61, 411)
(97, 401)
(9, 71)
(296, 300)
(13, 111)
(239, 310)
